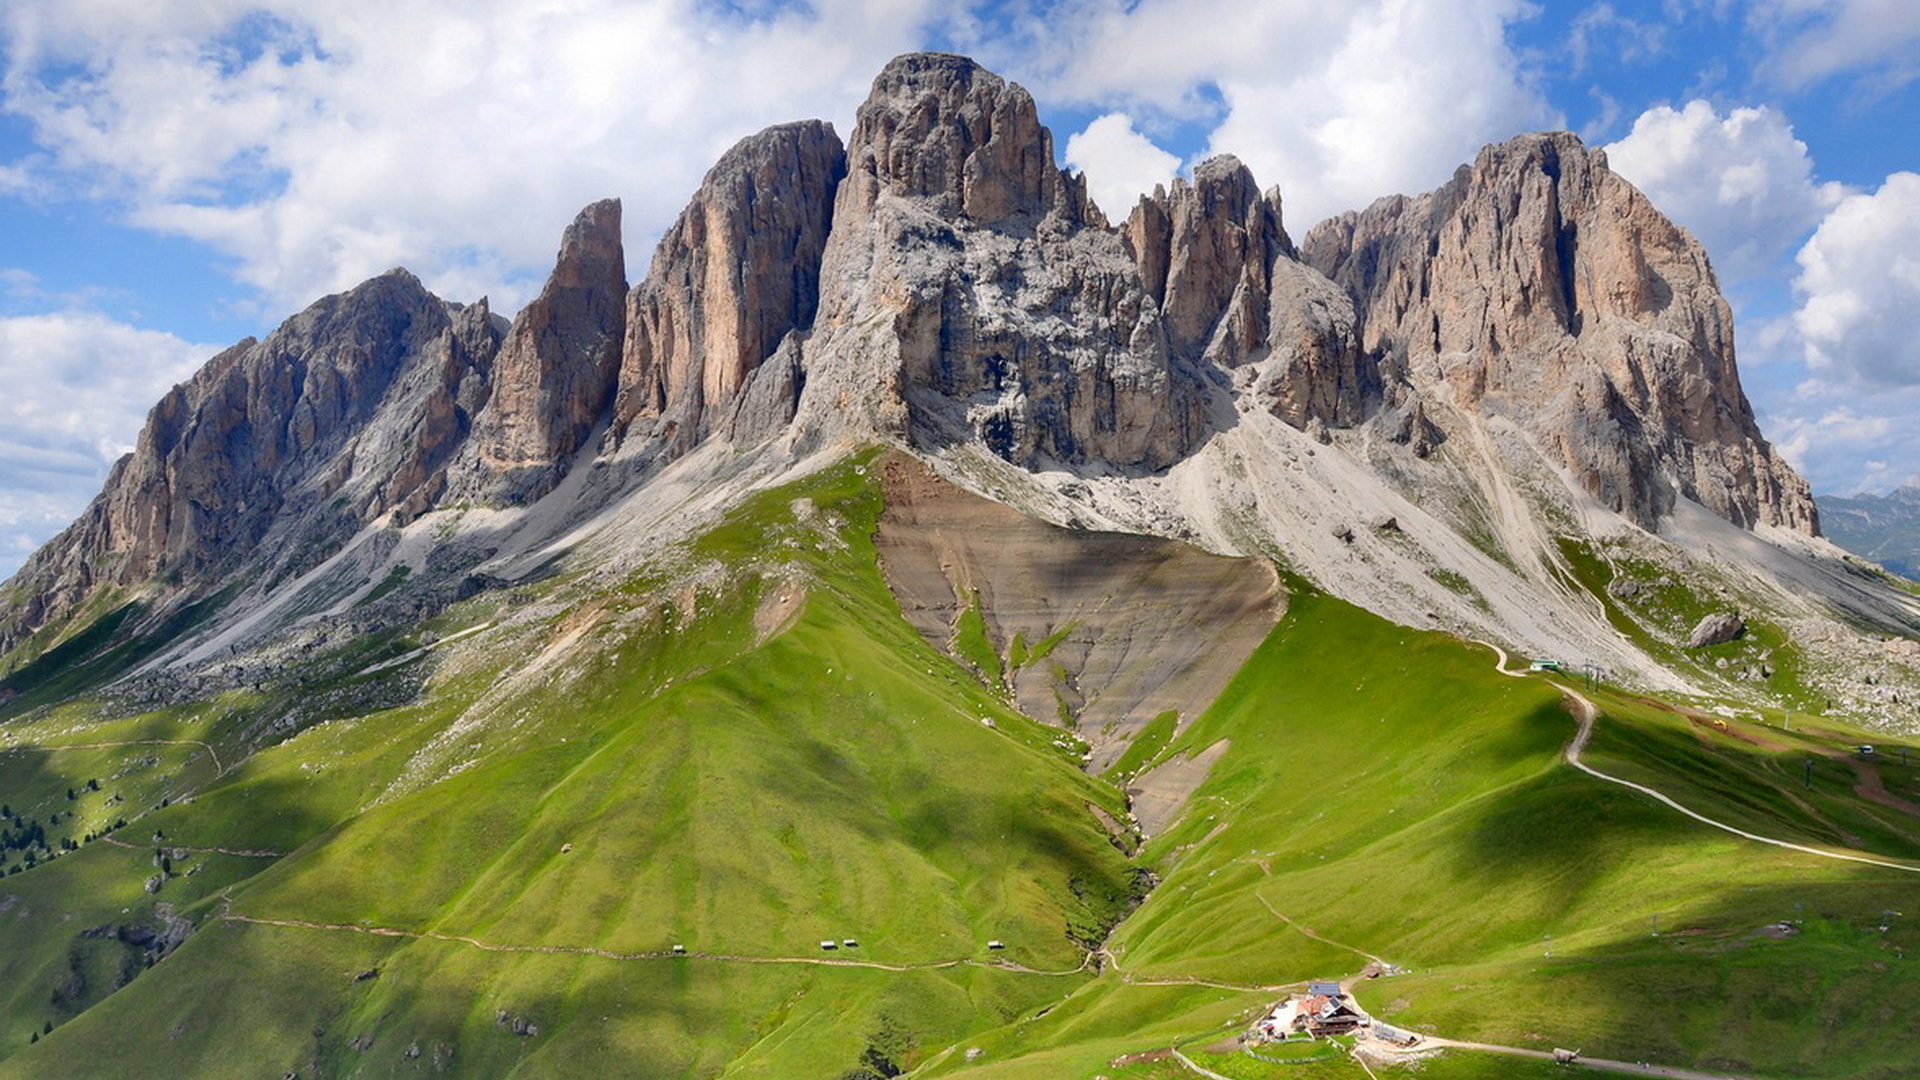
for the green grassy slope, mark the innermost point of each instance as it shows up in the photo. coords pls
(747, 750)
(1386, 790)
(699, 783)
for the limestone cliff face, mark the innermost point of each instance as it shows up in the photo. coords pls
(939, 282)
(1232, 290)
(1539, 287)
(971, 291)
(943, 130)
(349, 410)
(738, 272)
(1206, 253)
(554, 379)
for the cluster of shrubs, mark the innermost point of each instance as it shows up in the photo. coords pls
(28, 836)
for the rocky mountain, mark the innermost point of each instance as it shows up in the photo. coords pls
(277, 451)
(1531, 352)
(1539, 288)
(922, 626)
(736, 277)
(1884, 528)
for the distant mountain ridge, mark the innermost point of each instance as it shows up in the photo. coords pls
(1884, 528)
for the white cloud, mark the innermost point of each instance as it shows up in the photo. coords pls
(1860, 284)
(14, 181)
(1120, 163)
(1812, 40)
(321, 144)
(1848, 424)
(1338, 104)
(1843, 442)
(1601, 28)
(1827, 430)
(78, 388)
(1740, 181)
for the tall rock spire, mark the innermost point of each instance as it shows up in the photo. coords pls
(554, 380)
(1206, 251)
(970, 290)
(737, 273)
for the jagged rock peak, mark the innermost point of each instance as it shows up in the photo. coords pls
(590, 250)
(277, 449)
(1539, 286)
(965, 297)
(1206, 253)
(941, 128)
(738, 272)
(553, 382)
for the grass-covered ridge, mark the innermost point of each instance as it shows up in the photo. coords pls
(697, 772)
(744, 749)
(1386, 793)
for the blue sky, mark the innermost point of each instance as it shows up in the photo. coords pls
(176, 176)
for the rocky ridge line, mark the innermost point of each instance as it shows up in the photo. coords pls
(938, 281)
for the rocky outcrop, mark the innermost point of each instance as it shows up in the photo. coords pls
(349, 410)
(1540, 288)
(554, 379)
(943, 131)
(1206, 254)
(738, 272)
(1316, 372)
(971, 291)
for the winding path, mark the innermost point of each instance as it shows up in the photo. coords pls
(237, 852)
(1585, 712)
(218, 768)
(1113, 965)
(609, 954)
(1309, 932)
(1191, 1064)
(1605, 1064)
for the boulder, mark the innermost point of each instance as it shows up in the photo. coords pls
(1717, 629)
(1624, 588)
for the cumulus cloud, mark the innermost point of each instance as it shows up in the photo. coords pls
(1120, 163)
(1827, 428)
(1847, 424)
(1813, 40)
(1338, 104)
(1740, 181)
(79, 386)
(1860, 286)
(318, 144)
(1843, 443)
